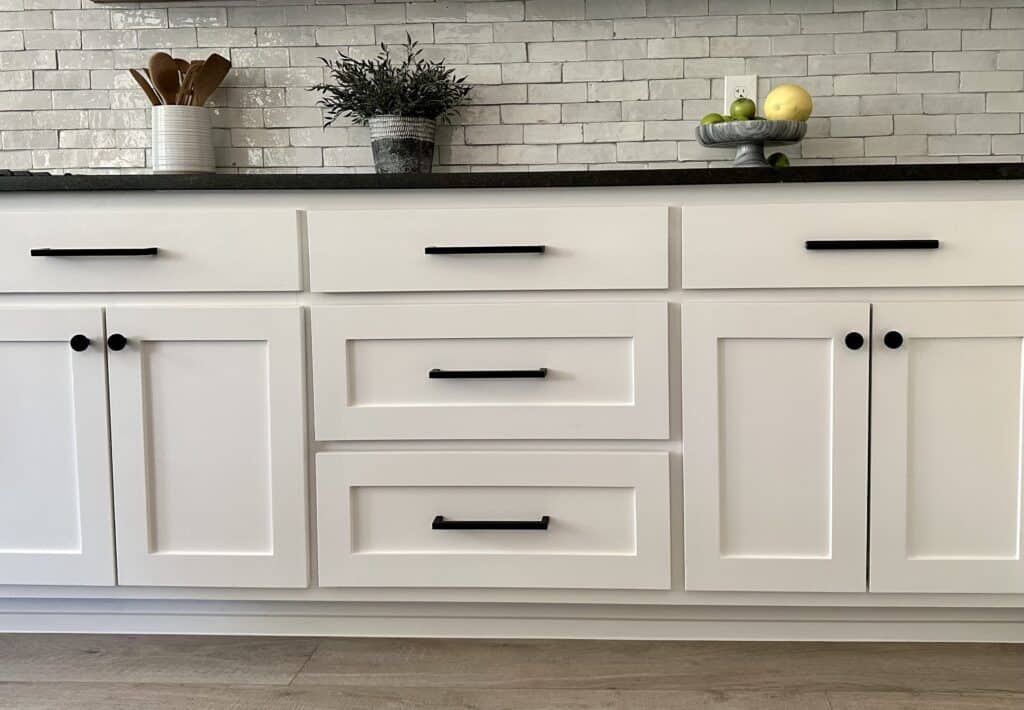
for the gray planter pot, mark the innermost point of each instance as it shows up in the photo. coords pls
(402, 145)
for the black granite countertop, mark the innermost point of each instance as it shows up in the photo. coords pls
(602, 178)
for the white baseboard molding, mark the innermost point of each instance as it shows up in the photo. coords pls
(512, 621)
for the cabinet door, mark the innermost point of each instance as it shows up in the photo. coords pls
(208, 441)
(775, 417)
(946, 439)
(55, 518)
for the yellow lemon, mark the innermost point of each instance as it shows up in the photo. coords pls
(788, 102)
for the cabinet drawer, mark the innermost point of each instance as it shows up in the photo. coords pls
(494, 519)
(491, 371)
(150, 251)
(865, 244)
(489, 249)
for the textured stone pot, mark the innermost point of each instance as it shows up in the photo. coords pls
(750, 137)
(401, 144)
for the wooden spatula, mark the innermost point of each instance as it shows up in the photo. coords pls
(154, 98)
(164, 72)
(182, 67)
(214, 69)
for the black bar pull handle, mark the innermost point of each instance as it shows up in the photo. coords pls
(497, 249)
(441, 524)
(102, 251)
(869, 244)
(438, 374)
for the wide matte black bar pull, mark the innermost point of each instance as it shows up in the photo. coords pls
(441, 524)
(438, 374)
(103, 251)
(499, 249)
(869, 244)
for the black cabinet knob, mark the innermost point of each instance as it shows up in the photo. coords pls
(79, 342)
(854, 340)
(117, 342)
(893, 339)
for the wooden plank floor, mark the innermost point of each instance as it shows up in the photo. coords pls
(231, 673)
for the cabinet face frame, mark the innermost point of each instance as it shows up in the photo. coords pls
(708, 567)
(286, 564)
(93, 562)
(895, 567)
(642, 326)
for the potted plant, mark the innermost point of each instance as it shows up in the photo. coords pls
(401, 103)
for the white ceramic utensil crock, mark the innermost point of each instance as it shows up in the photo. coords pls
(182, 140)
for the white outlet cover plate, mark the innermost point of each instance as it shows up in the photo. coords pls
(739, 86)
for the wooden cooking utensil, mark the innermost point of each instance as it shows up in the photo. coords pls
(184, 97)
(212, 73)
(154, 98)
(164, 72)
(182, 67)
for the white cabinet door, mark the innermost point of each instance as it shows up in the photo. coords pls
(55, 518)
(208, 441)
(946, 438)
(775, 418)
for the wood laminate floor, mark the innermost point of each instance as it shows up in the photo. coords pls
(231, 673)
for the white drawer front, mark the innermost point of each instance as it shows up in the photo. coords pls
(765, 246)
(250, 250)
(502, 371)
(606, 524)
(583, 248)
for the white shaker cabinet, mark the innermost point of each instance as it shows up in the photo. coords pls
(946, 436)
(208, 442)
(55, 517)
(775, 417)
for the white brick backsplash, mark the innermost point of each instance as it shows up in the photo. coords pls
(987, 123)
(959, 145)
(965, 61)
(553, 133)
(992, 81)
(861, 126)
(494, 135)
(668, 109)
(954, 103)
(591, 29)
(896, 20)
(582, 84)
(527, 154)
(938, 83)
(556, 52)
(593, 71)
(613, 132)
(556, 93)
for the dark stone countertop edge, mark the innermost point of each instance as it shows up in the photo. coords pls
(602, 178)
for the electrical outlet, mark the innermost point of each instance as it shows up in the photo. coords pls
(740, 87)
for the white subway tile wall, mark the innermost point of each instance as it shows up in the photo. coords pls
(560, 84)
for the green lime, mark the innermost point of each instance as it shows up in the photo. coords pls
(712, 118)
(742, 109)
(778, 160)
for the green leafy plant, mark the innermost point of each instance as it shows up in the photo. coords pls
(413, 88)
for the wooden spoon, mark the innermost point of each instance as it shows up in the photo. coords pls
(182, 67)
(154, 98)
(185, 92)
(213, 71)
(164, 72)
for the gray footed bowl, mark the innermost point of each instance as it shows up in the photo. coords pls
(750, 137)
